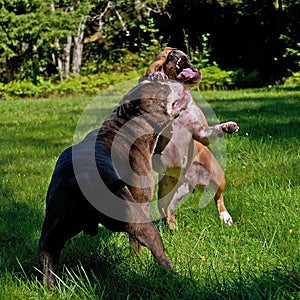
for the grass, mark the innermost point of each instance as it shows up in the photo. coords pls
(256, 258)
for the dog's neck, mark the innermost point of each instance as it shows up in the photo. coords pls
(141, 132)
(130, 150)
(175, 154)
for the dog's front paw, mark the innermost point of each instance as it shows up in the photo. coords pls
(226, 217)
(230, 127)
(157, 75)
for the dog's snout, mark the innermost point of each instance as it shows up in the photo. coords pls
(173, 55)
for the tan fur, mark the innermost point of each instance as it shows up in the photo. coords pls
(202, 165)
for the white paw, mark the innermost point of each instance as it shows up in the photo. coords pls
(230, 127)
(226, 217)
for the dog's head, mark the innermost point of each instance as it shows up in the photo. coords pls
(160, 101)
(176, 65)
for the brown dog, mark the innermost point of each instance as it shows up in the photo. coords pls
(108, 177)
(184, 165)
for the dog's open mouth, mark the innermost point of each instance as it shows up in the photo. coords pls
(184, 71)
(187, 73)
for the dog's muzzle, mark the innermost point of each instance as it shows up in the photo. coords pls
(185, 72)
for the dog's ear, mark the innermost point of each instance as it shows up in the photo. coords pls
(157, 65)
(166, 51)
(164, 54)
(128, 104)
(129, 107)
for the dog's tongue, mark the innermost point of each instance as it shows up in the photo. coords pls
(189, 74)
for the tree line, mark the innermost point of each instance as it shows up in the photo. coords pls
(258, 40)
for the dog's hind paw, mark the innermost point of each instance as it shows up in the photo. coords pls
(226, 217)
(230, 127)
(171, 222)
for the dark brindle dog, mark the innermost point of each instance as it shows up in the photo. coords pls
(108, 177)
(184, 166)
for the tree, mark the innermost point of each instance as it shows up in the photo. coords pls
(42, 38)
(37, 36)
(39, 39)
(72, 17)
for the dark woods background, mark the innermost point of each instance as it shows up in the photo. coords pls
(243, 34)
(257, 41)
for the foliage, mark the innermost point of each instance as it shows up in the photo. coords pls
(293, 80)
(292, 51)
(20, 89)
(243, 34)
(256, 258)
(295, 52)
(215, 79)
(200, 58)
(35, 36)
(243, 79)
(89, 85)
(41, 39)
(149, 48)
(29, 34)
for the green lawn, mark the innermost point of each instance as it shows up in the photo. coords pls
(257, 258)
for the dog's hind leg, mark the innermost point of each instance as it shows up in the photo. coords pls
(138, 225)
(59, 225)
(217, 183)
(211, 175)
(183, 190)
(170, 193)
(135, 244)
(132, 240)
(166, 190)
(147, 235)
(219, 200)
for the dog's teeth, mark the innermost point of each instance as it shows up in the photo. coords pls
(177, 64)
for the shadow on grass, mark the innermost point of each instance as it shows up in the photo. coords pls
(262, 118)
(107, 264)
(111, 276)
(274, 284)
(19, 228)
(291, 88)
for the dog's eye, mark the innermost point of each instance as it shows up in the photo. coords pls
(171, 54)
(176, 102)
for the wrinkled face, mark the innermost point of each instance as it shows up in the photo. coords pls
(165, 97)
(177, 99)
(178, 67)
(163, 100)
